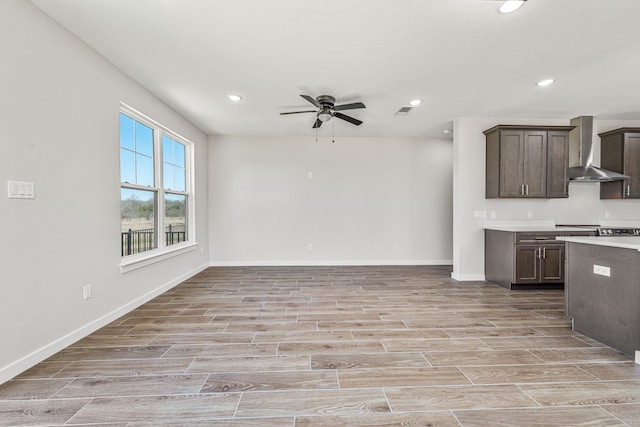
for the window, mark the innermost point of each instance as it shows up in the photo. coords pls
(155, 192)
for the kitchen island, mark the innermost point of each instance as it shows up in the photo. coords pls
(602, 290)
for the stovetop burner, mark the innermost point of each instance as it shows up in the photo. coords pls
(617, 231)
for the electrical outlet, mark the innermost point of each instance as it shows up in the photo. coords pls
(494, 215)
(86, 292)
(480, 214)
(310, 175)
(310, 247)
(529, 214)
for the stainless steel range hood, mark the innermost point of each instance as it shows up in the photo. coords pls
(581, 154)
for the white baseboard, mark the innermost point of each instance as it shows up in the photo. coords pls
(467, 277)
(32, 359)
(330, 263)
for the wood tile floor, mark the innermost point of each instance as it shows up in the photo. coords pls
(333, 346)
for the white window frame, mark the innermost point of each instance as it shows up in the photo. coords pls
(162, 251)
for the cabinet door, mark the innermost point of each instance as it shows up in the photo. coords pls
(535, 163)
(511, 163)
(557, 164)
(632, 165)
(527, 264)
(552, 265)
(612, 158)
(620, 152)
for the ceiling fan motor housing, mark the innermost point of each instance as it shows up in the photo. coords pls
(326, 100)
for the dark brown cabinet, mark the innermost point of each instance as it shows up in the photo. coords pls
(620, 152)
(558, 163)
(540, 263)
(527, 161)
(526, 259)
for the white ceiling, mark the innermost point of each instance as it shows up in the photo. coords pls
(461, 57)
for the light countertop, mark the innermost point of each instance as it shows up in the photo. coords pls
(629, 242)
(534, 228)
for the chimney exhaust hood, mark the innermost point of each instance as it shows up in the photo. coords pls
(581, 154)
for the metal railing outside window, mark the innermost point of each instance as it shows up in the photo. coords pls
(136, 241)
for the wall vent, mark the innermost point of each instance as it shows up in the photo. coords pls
(403, 111)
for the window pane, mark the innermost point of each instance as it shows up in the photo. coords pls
(167, 149)
(144, 170)
(126, 132)
(173, 157)
(167, 177)
(175, 211)
(144, 139)
(127, 166)
(178, 154)
(137, 217)
(180, 184)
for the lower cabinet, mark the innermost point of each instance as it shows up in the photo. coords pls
(539, 264)
(520, 260)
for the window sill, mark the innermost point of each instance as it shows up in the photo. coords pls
(135, 262)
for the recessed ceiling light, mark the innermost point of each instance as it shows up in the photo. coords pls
(415, 102)
(234, 97)
(511, 6)
(545, 82)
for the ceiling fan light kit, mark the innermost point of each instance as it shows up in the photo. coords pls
(326, 110)
(324, 116)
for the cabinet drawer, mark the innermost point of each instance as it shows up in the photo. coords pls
(537, 238)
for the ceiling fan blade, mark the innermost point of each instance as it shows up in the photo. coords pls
(351, 106)
(317, 124)
(298, 112)
(348, 118)
(311, 100)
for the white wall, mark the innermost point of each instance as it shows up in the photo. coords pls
(582, 207)
(59, 105)
(370, 201)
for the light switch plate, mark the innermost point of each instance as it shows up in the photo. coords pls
(21, 190)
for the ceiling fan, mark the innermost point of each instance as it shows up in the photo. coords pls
(327, 109)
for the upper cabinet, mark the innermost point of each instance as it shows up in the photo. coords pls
(527, 161)
(620, 152)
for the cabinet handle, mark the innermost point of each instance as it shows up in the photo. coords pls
(628, 191)
(522, 189)
(544, 253)
(526, 189)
